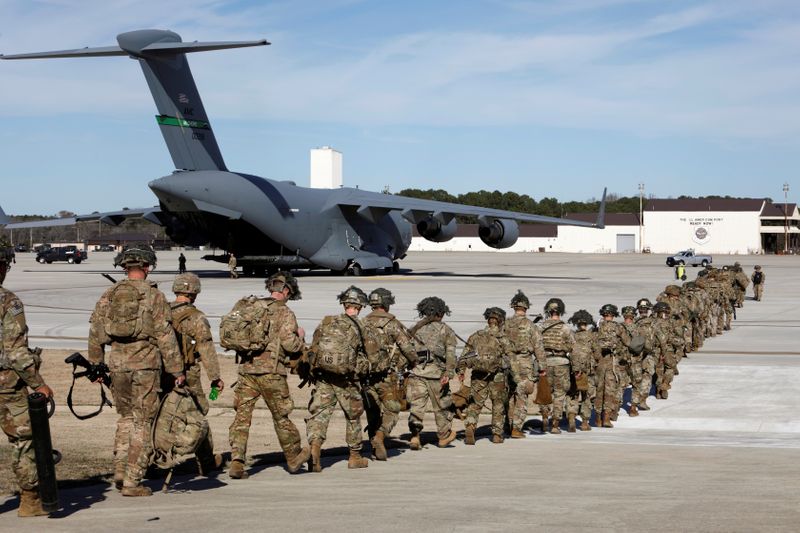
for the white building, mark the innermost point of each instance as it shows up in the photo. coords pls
(326, 168)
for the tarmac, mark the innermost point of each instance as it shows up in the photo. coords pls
(721, 454)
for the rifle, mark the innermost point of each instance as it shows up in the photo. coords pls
(108, 277)
(92, 372)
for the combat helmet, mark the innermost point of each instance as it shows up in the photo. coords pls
(661, 307)
(520, 300)
(609, 309)
(644, 303)
(672, 290)
(432, 306)
(187, 283)
(629, 310)
(280, 280)
(582, 317)
(757, 267)
(689, 285)
(136, 255)
(381, 297)
(554, 305)
(353, 295)
(6, 252)
(494, 312)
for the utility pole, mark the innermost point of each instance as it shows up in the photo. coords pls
(641, 220)
(785, 218)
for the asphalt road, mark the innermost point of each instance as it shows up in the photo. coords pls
(721, 454)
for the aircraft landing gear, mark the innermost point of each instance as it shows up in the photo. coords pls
(354, 270)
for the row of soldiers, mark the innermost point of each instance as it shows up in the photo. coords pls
(375, 364)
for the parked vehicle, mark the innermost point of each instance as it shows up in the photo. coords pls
(20, 248)
(70, 254)
(688, 257)
(104, 248)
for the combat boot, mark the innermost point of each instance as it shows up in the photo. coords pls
(356, 461)
(443, 443)
(614, 415)
(119, 475)
(517, 434)
(315, 464)
(633, 411)
(545, 425)
(607, 420)
(30, 504)
(378, 447)
(571, 422)
(554, 426)
(664, 394)
(585, 425)
(497, 439)
(296, 460)
(209, 465)
(469, 434)
(415, 443)
(138, 490)
(643, 406)
(236, 470)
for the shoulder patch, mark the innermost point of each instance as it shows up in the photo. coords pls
(16, 308)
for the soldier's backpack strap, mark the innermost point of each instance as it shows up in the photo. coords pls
(103, 399)
(181, 314)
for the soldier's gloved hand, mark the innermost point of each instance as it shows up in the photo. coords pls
(219, 384)
(47, 391)
(180, 380)
(444, 380)
(301, 332)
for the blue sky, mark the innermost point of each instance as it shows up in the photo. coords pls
(546, 98)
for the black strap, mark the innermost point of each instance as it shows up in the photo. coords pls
(103, 399)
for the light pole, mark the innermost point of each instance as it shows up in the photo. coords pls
(785, 218)
(641, 221)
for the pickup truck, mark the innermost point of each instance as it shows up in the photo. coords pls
(70, 254)
(688, 257)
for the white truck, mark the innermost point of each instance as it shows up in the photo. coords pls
(688, 257)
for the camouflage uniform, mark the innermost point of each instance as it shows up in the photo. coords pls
(741, 282)
(263, 375)
(585, 355)
(559, 342)
(383, 387)
(135, 365)
(424, 382)
(19, 372)
(613, 339)
(489, 382)
(669, 340)
(194, 338)
(641, 390)
(525, 342)
(331, 389)
(758, 288)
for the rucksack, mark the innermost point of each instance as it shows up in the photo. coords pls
(186, 342)
(379, 358)
(757, 277)
(179, 429)
(332, 349)
(246, 327)
(125, 315)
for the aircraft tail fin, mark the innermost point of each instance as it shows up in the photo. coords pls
(600, 223)
(3, 217)
(181, 115)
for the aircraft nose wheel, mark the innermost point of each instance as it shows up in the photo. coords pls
(354, 270)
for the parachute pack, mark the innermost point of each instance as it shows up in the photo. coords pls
(246, 327)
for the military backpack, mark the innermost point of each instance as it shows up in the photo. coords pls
(758, 277)
(339, 346)
(486, 355)
(246, 327)
(380, 359)
(179, 429)
(188, 345)
(126, 316)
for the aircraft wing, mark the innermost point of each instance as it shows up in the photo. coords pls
(373, 206)
(113, 218)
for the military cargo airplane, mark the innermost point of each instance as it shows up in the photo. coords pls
(270, 224)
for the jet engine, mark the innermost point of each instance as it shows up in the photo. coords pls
(432, 229)
(498, 232)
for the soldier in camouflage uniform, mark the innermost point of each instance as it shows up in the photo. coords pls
(669, 342)
(584, 358)
(525, 341)
(483, 354)
(332, 388)
(134, 318)
(741, 283)
(429, 381)
(631, 372)
(383, 385)
(193, 333)
(644, 326)
(680, 314)
(559, 343)
(614, 340)
(758, 278)
(19, 373)
(725, 277)
(263, 375)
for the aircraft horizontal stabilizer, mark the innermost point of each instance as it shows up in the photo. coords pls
(112, 218)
